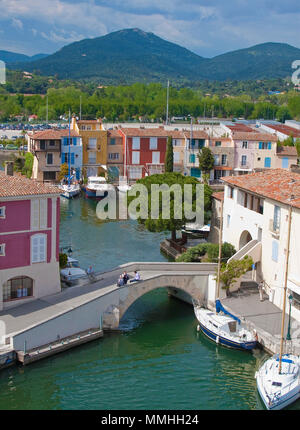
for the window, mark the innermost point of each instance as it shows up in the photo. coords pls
(195, 172)
(42, 144)
(192, 158)
(39, 213)
(92, 158)
(276, 218)
(92, 143)
(265, 145)
(17, 288)
(201, 143)
(155, 157)
(218, 143)
(112, 141)
(49, 176)
(285, 163)
(135, 157)
(2, 212)
(224, 159)
(217, 160)
(245, 144)
(153, 143)
(244, 160)
(267, 161)
(49, 158)
(113, 156)
(2, 250)
(230, 192)
(89, 127)
(275, 251)
(135, 143)
(228, 221)
(38, 248)
(83, 127)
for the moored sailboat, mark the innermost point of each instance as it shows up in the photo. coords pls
(221, 326)
(278, 379)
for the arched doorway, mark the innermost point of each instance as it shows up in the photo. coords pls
(17, 288)
(244, 239)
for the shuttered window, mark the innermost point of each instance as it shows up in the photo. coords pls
(39, 214)
(38, 248)
(135, 157)
(275, 250)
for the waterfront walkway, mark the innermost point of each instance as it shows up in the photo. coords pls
(265, 318)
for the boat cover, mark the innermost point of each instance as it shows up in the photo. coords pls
(220, 308)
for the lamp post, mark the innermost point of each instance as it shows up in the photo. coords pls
(288, 336)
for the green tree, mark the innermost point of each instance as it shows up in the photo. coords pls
(173, 223)
(169, 156)
(232, 271)
(206, 161)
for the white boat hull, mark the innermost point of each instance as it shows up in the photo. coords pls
(70, 191)
(278, 391)
(242, 339)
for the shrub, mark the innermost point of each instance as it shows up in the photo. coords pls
(63, 260)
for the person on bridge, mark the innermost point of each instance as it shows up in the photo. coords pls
(125, 277)
(137, 277)
(120, 282)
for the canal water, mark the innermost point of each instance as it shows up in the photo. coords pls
(157, 361)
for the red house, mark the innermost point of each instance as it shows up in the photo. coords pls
(144, 151)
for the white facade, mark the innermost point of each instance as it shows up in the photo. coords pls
(266, 222)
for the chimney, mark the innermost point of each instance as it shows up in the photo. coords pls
(9, 168)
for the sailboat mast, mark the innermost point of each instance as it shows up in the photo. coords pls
(285, 286)
(167, 115)
(69, 148)
(220, 250)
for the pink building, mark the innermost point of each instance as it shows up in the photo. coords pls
(29, 240)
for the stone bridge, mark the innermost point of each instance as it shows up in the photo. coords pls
(101, 302)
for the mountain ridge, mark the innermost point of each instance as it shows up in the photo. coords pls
(132, 55)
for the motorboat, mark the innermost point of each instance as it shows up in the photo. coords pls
(97, 187)
(72, 272)
(279, 389)
(124, 188)
(223, 329)
(70, 190)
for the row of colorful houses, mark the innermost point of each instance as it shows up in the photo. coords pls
(136, 152)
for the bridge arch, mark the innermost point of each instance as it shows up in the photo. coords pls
(196, 286)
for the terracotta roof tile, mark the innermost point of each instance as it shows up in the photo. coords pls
(287, 150)
(17, 185)
(259, 137)
(145, 132)
(196, 134)
(284, 129)
(219, 195)
(52, 134)
(276, 184)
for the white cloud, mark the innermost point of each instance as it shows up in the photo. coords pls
(17, 23)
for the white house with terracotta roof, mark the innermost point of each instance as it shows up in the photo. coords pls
(29, 240)
(255, 221)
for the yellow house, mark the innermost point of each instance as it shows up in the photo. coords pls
(94, 146)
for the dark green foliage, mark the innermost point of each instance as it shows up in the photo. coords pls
(63, 259)
(172, 224)
(209, 252)
(206, 160)
(169, 156)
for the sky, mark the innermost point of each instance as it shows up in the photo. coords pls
(206, 27)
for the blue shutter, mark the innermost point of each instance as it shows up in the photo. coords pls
(285, 163)
(269, 145)
(195, 172)
(192, 158)
(260, 145)
(72, 158)
(275, 251)
(65, 141)
(62, 158)
(74, 141)
(267, 161)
